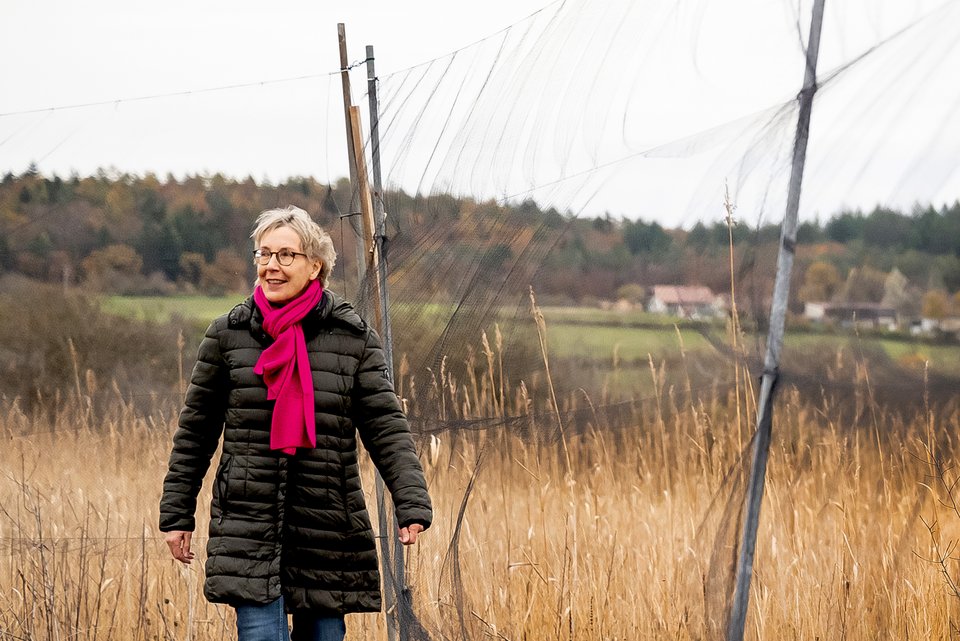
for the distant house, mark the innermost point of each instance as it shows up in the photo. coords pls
(951, 325)
(684, 301)
(933, 326)
(871, 315)
(815, 311)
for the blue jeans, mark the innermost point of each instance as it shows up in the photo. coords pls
(269, 623)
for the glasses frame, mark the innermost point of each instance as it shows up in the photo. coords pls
(264, 256)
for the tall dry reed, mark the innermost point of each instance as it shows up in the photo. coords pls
(598, 532)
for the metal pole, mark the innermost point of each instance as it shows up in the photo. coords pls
(778, 314)
(396, 592)
(351, 152)
(380, 218)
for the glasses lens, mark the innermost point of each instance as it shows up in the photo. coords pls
(284, 256)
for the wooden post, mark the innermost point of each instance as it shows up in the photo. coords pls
(771, 364)
(370, 258)
(351, 152)
(372, 262)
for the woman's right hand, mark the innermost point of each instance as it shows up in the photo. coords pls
(179, 543)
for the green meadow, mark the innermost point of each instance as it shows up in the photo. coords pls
(609, 338)
(163, 309)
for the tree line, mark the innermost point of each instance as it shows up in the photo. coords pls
(127, 234)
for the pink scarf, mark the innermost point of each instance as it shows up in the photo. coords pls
(285, 368)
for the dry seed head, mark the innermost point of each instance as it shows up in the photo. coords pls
(434, 449)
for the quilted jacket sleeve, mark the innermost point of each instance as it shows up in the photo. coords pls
(385, 434)
(197, 436)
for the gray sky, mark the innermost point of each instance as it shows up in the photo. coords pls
(605, 103)
(59, 52)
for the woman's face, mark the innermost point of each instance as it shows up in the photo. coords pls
(280, 283)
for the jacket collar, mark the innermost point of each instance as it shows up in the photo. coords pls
(332, 308)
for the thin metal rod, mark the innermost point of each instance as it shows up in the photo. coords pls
(778, 314)
(380, 218)
(394, 590)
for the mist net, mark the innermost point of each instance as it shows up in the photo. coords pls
(661, 110)
(506, 167)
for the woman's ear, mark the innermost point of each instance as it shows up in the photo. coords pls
(317, 268)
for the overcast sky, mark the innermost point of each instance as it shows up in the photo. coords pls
(659, 74)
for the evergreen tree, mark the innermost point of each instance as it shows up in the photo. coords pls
(643, 238)
(845, 227)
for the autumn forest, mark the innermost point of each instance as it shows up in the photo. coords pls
(125, 234)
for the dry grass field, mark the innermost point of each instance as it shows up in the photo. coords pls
(598, 531)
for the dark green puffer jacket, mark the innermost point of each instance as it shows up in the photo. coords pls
(297, 525)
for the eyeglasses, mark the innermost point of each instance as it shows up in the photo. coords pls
(284, 256)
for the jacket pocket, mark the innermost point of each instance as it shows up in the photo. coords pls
(354, 509)
(344, 497)
(222, 484)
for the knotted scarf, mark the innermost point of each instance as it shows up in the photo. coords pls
(285, 367)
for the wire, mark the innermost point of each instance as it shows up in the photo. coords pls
(173, 94)
(258, 83)
(477, 42)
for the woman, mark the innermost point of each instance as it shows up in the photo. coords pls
(290, 377)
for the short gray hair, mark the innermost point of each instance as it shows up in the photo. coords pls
(316, 243)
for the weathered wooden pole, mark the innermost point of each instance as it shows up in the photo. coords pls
(368, 263)
(351, 154)
(391, 556)
(370, 255)
(778, 315)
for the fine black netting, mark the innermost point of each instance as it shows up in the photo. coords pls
(528, 119)
(498, 160)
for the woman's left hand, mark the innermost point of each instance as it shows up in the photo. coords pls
(408, 535)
